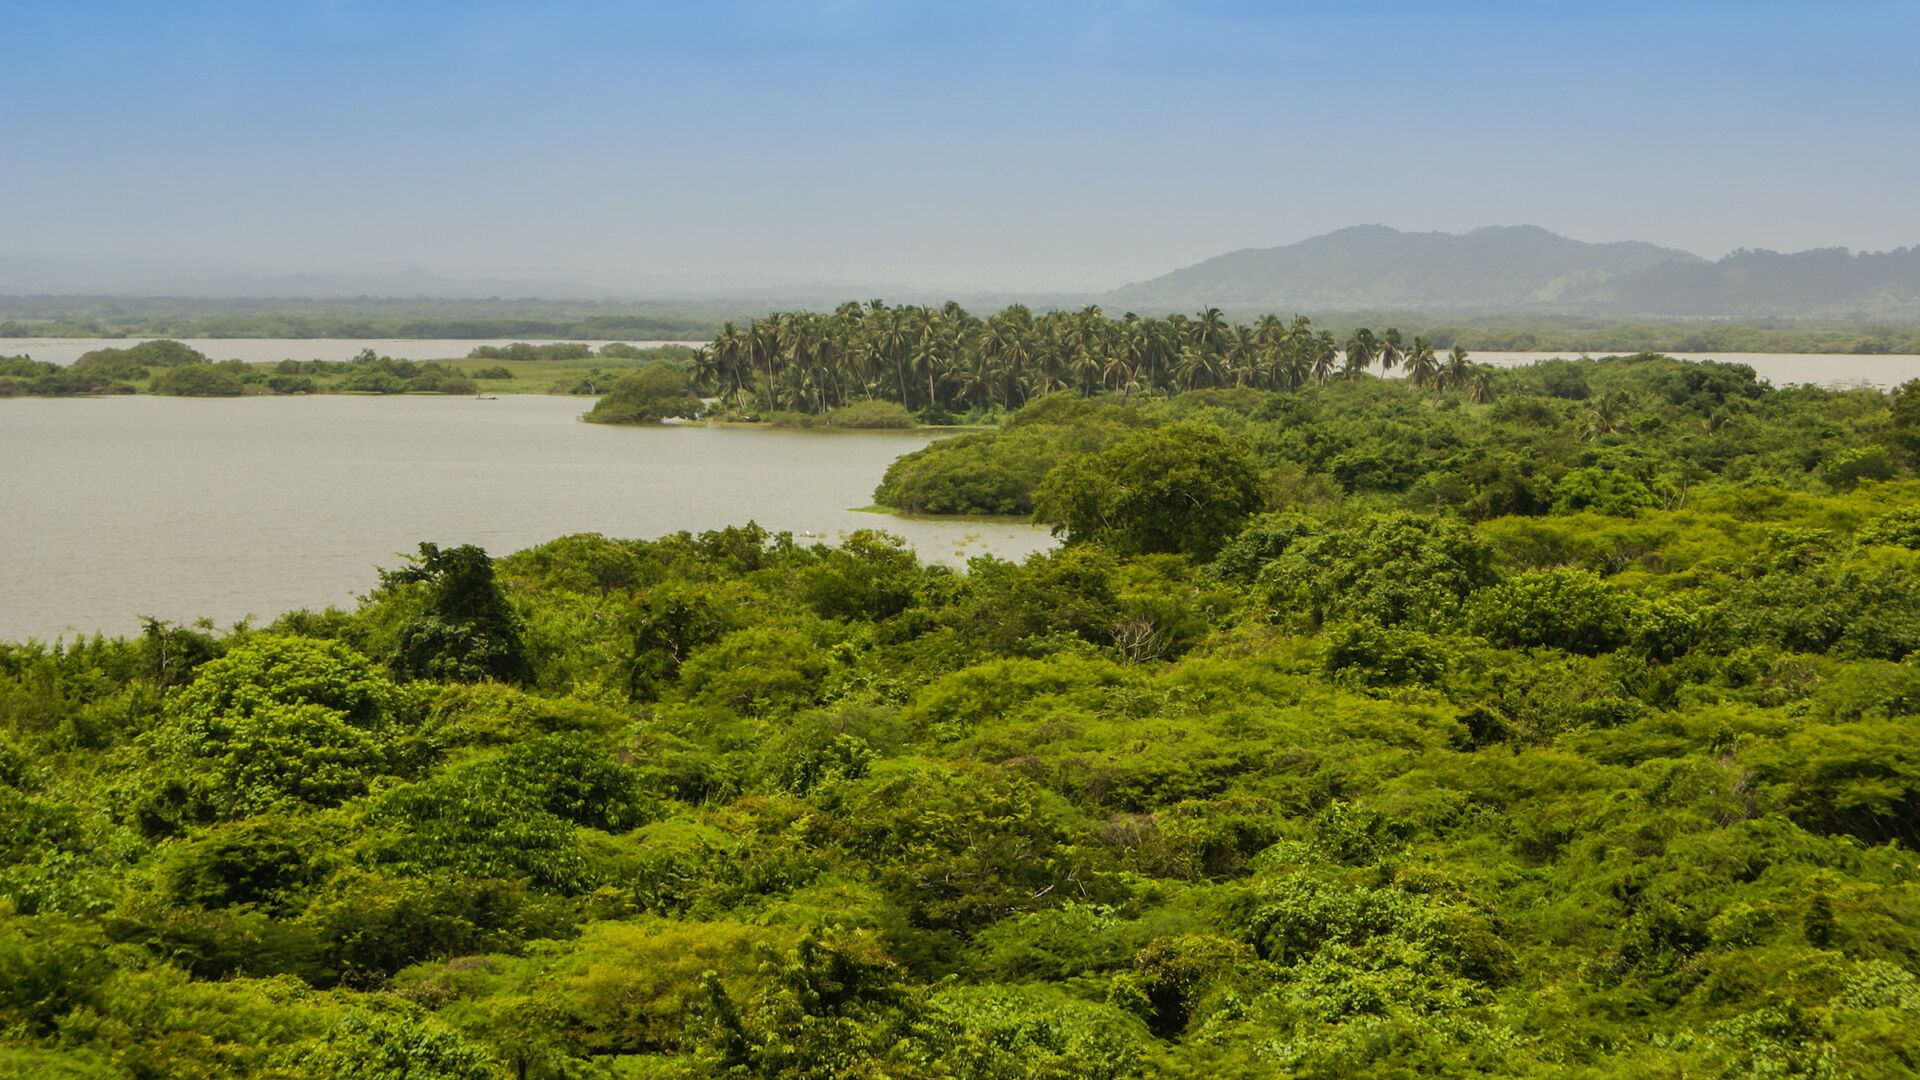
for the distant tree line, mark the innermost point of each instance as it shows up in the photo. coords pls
(364, 317)
(565, 350)
(359, 317)
(181, 371)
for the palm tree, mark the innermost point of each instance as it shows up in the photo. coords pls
(1241, 359)
(1390, 351)
(1362, 347)
(796, 360)
(1086, 329)
(929, 357)
(1606, 415)
(729, 359)
(1136, 349)
(1325, 354)
(1085, 369)
(1198, 368)
(706, 370)
(1270, 332)
(926, 357)
(1163, 339)
(1480, 385)
(978, 381)
(1422, 364)
(763, 353)
(1004, 342)
(1209, 332)
(892, 337)
(1457, 370)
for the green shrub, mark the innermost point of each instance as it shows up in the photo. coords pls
(199, 380)
(654, 393)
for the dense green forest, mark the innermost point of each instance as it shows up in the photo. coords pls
(941, 361)
(83, 316)
(945, 362)
(1615, 435)
(1360, 729)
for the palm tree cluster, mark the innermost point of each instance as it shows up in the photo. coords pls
(946, 360)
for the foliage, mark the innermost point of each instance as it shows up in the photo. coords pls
(464, 629)
(854, 415)
(277, 723)
(652, 394)
(200, 380)
(942, 362)
(161, 352)
(1420, 774)
(1181, 489)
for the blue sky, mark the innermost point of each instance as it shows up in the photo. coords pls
(970, 145)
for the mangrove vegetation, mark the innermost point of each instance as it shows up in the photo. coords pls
(1357, 729)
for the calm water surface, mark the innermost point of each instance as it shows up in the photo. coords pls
(255, 350)
(115, 508)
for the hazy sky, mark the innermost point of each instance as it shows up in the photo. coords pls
(972, 144)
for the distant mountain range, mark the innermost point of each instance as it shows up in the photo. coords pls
(1523, 268)
(1498, 270)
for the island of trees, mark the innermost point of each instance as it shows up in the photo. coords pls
(167, 367)
(942, 361)
(1358, 729)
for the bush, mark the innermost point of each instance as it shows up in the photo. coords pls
(465, 631)
(278, 722)
(870, 414)
(973, 474)
(1606, 491)
(757, 670)
(1181, 489)
(1850, 467)
(1390, 569)
(369, 381)
(1900, 528)
(442, 383)
(199, 380)
(652, 394)
(1372, 656)
(161, 352)
(520, 350)
(1562, 609)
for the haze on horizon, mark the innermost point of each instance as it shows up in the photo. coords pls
(982, 147)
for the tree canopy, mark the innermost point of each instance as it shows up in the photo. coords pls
(1361, 729)
(1184, 489)
(654, 393)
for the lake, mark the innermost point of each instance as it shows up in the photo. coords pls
(115, 508)
(255, 350)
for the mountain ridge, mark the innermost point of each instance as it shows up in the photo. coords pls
(1519, 269)
(1493, 270)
